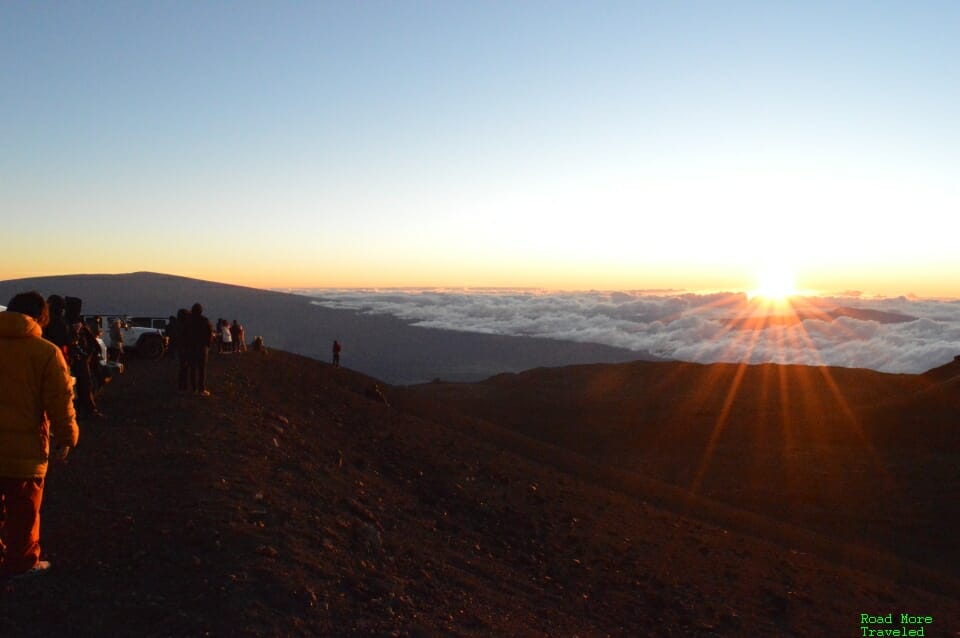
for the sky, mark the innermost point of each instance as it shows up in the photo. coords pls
(562, 145)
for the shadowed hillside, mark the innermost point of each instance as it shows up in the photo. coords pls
(865, 457)
(294, 502)
(379, 345)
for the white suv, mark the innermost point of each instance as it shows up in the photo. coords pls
(143, 336)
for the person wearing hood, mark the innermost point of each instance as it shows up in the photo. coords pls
(36, 403)
(56, 330)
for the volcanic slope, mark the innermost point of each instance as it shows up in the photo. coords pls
(867, 459)
(296, 502)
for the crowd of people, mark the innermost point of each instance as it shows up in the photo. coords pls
(79, 340)
(230, 337)
(190, 336)
(50, 371)
(45, 342)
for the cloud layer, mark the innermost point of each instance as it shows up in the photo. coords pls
(687, 327)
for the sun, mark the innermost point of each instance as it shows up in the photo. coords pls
(775, 284)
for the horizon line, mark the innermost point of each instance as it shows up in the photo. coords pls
(651, 291)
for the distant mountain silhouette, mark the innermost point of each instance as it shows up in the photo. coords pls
(383, 346)
(865, 314)
(809, 312)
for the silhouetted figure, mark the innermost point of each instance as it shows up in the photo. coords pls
(84, 353)
(168, 330)
(236, 333)
(96, 367)
(197, 336)
(219, 335)
(336, 353)
(115, 349)
(73, 307)
(56, 331)
(176, 330)
(35, 398)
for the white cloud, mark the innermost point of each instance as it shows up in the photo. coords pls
(686, 327)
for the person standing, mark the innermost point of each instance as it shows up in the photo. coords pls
(35, 399)
(115, 351)
(99, 355)
(219, 336)
(236, 333)
(83, 353)
(198, 334)
(176, 332)
(56, 331)
(336, 353)
(226, 337)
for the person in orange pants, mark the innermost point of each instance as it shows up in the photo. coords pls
(20, 528)
(36, 396)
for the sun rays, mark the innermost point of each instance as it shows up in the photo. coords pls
(810, 405)
(775, 286)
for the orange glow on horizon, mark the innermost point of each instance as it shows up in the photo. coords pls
(270, 272)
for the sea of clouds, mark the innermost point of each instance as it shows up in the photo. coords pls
(685, 326)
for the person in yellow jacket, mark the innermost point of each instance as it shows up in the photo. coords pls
(35, 397)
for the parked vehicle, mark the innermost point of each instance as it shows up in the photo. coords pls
(143, 336)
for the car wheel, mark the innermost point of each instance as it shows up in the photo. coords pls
(150, 347)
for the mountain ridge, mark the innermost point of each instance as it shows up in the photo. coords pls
(383, 346)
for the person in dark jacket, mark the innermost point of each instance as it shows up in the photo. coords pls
(236, 336)
(56, 331)
(84, 353)
(219, 336)
(198, 334)
(98, 356)
(169, 330)
(336, 353)
(176, 329)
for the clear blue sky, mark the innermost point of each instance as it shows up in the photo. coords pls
(486, 143)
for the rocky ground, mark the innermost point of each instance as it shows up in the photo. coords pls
(296, 502)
